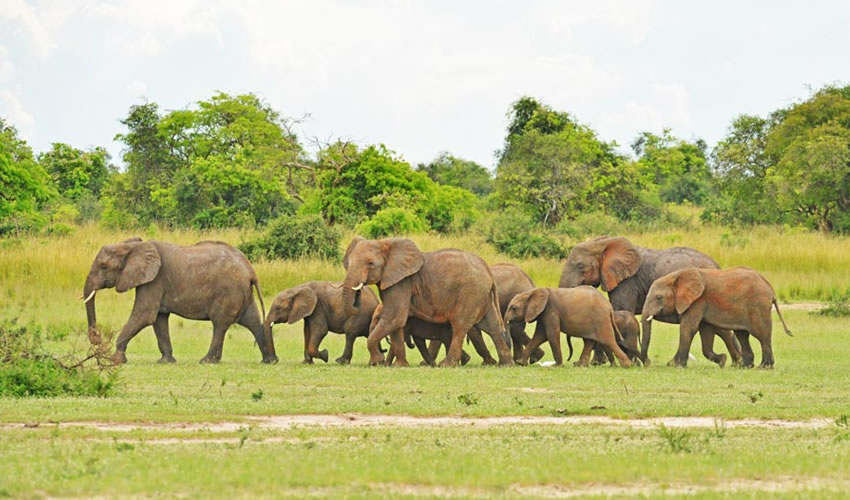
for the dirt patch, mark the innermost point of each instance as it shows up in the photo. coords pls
(539, 390)
(284, 422)
(802, 306)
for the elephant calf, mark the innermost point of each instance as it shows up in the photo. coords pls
(320, 305)
(579, 312)
(738, 299)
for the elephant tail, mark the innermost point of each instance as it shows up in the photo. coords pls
(494, 299)
(570, 344)
(256, 284)
(408, 339)
(618, 336)
(787, 331)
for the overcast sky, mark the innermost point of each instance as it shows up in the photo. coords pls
(419, 76)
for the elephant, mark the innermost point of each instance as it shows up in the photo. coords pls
(629, 328)
(445, 286)
(209, 280)
(416, 331)
(738, 299)
(510, 280)
(579, 312)
(626, 272)
(319, 304)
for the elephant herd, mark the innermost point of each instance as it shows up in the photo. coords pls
(445, 297)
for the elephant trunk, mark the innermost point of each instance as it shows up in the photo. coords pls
(646, 334)
(351, 290)
(267, 332)
(89, 291)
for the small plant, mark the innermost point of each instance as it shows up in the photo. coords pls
(123, 446)
(256, 396)
(292, 237)
(753, 396)
(843, 422)
(719, 428)
(675, 440)
(468, 399)
(510, 233)
(838, 307)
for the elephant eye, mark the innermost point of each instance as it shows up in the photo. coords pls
(371, 263)
(580, 266)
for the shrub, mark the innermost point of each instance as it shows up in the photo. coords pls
(391, 221)
(292, 237)
(838, 307)
(510, 233)
(27, 371)
(590, 224)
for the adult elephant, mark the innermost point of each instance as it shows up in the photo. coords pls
(320, 305)
(627, 271)
(209, 280)
(510, 280)
(446, 286)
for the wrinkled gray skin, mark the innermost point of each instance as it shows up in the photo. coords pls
(579, 312)
(319, 304)
(446, 286)
(738, 298)
(209, 280)
(629, 329)
(626, 272)
(510, 280)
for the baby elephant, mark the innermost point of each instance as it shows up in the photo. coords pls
(419, 330)
(629, 328)
(579, 312)
(738, 299)
(320, 305)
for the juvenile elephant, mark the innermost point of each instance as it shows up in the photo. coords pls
(418, 331)
(626, 272)
(446, 286)
(510, 280)
(319, 304)
(738, 298)
(629, 330)
(579, 312)
(209, 280)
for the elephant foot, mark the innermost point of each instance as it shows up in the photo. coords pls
(675, 363)
(307, 361)
(119, 358)
(464, 358)
(342, 360)
(448, 363)
(490, 362)
(209, 360)
(270, 360)
(537, 355)
(506, 362)
(646, 362)
(376, 361)
(166, 359)
(521, 361)
(766, 365)
(721, 360)
(400, 363)
(323, 355)
(579, 364)
(425, 363)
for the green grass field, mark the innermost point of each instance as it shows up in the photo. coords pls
(43, 277)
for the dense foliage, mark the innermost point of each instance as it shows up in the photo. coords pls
(291, 237)
(25, 185)
(454, 171)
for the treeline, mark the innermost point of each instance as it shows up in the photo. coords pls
(234, 161)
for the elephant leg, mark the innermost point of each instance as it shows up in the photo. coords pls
(318, 332)
(747, 356)
(494, 326)
(163, 339)
(584, 359)
(308, 360)
(762, 333)
(425, 349)
(398, 347)
(434, 348)
(610, 357)
(477, 340)
(217, 344)
(706, 335)
(552, 327)
(348, 352)
(688, 326)
(612, 346)
(133, 326)
(599, 356)
(538, 338)
(252, 320)
(520, 340)
(732, 344)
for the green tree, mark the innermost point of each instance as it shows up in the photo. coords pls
(678, 167)
(76, 173)
(24, 185)
(453, 171)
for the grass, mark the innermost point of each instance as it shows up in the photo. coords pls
(42, 278)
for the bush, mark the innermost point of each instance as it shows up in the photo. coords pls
(391, 221)
(838, 307)
(590, 224)
(27, 371)
(292, 237)
(510, 233)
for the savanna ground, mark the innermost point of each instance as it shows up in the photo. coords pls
(211, 431)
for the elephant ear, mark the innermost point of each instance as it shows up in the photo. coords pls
(537, 300)
(303, 304)
(620, 260)
(141, 266)
(687, 288)
(354, 242)
(403, 258)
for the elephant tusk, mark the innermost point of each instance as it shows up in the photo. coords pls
(649, 318)
(90, 296)
(358, 287)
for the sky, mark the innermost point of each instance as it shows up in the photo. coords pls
(421, 77)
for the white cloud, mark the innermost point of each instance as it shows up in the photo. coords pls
(137, 89)
(7, 67)
(23, 18)
(13, 110)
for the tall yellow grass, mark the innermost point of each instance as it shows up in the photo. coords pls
(42, 276)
